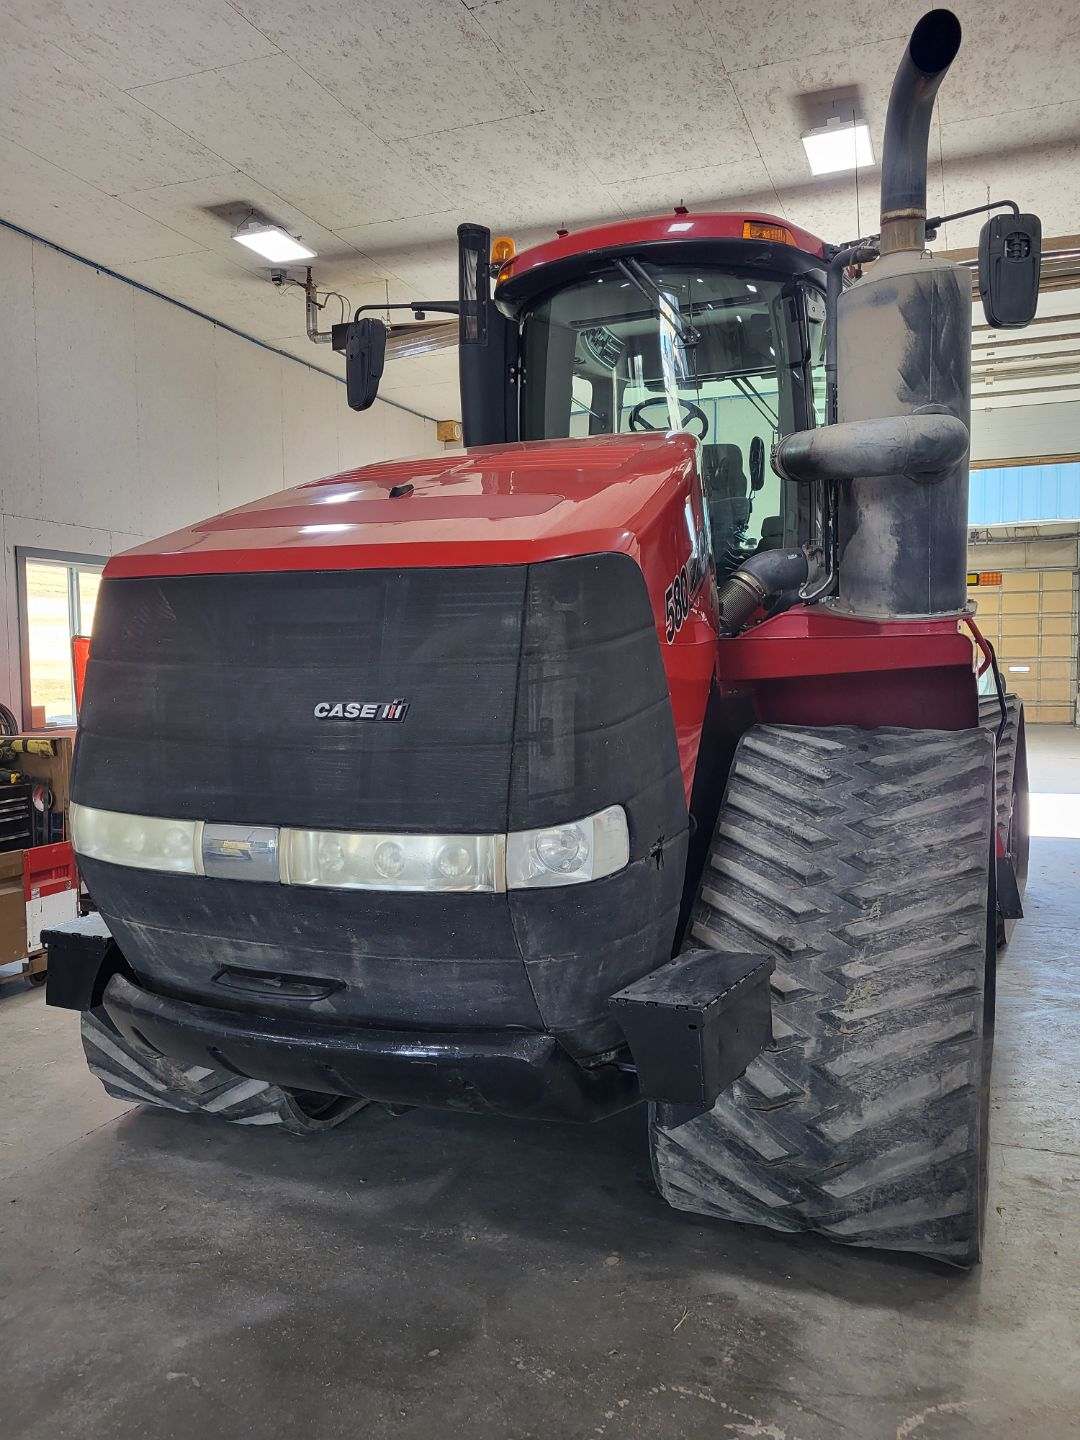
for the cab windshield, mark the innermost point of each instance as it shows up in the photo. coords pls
(730, 358)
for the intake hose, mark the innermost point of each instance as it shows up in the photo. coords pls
(923, 446)
(757, 580)
(931, 50)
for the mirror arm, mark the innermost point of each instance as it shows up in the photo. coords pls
(418, 308)
(933, 223)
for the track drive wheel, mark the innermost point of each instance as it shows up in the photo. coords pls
(1010, 791)
(860, 860)
(132, 1072)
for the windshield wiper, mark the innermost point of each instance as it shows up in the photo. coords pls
(638, 276)
(760, 404)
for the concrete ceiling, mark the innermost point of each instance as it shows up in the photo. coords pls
(131, 131)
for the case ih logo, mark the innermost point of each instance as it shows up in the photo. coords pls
(361, 709)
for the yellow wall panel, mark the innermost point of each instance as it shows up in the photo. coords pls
(1057, 624)
(1058, 692)
(1058, 580)
(1021, 602)
(1056, 602)
(1014, 626)
(1020, 580)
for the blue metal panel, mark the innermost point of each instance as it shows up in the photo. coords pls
(1011, 493)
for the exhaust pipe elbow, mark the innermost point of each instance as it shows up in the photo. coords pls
(756, 581)
(931, 50)
(923, 446)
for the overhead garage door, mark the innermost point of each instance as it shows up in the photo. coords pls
(1031, 619)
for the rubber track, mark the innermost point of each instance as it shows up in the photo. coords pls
(859, 859)
(144, 1077)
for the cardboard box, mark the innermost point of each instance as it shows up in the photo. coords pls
(12, 908)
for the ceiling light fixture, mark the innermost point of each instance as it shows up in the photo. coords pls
(842, 144)
(272, 242)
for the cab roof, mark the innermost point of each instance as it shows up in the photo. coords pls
(754, 237)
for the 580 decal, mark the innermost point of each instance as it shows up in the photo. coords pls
(680, 593)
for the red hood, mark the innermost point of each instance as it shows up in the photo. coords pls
(494, 505)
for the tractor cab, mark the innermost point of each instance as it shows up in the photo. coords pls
(710, 324)
(717, 329)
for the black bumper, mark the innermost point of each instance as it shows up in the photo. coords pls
(504, 1072)
(693, 1026)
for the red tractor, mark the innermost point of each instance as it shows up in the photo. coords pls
(635, 754)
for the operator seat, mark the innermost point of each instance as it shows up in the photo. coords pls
(727, 494)
(772, 532)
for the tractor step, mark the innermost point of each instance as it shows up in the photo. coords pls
(694, 1026)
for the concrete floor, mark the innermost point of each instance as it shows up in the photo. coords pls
(440, 1275)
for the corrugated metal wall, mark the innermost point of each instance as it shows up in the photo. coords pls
(1005, 495)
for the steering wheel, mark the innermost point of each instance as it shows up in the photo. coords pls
(693, 412)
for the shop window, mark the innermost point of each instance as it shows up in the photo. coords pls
(57, 596)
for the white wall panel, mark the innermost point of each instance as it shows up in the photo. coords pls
(310, 424)
(20, 459)
(9, 649)
(362, 436)
(1022, 430)
(177, 460)
(249, 423)
(87, 408)
(407, 434)
(123, 417)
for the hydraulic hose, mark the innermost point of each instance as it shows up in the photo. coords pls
(756, 581)
(931, 50)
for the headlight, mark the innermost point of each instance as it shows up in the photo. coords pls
(391, 862)
(143, 841)
(568, 854)
(347, 860)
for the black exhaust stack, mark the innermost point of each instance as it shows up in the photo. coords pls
(898, 454)
(931, 50)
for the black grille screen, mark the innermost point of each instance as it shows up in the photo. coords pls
(593, 722)
(201, 692)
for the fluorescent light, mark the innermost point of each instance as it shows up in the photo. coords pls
(839, 145)
(272, 242)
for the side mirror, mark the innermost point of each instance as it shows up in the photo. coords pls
(757, 464)
(365, 356)
(1010, 257)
